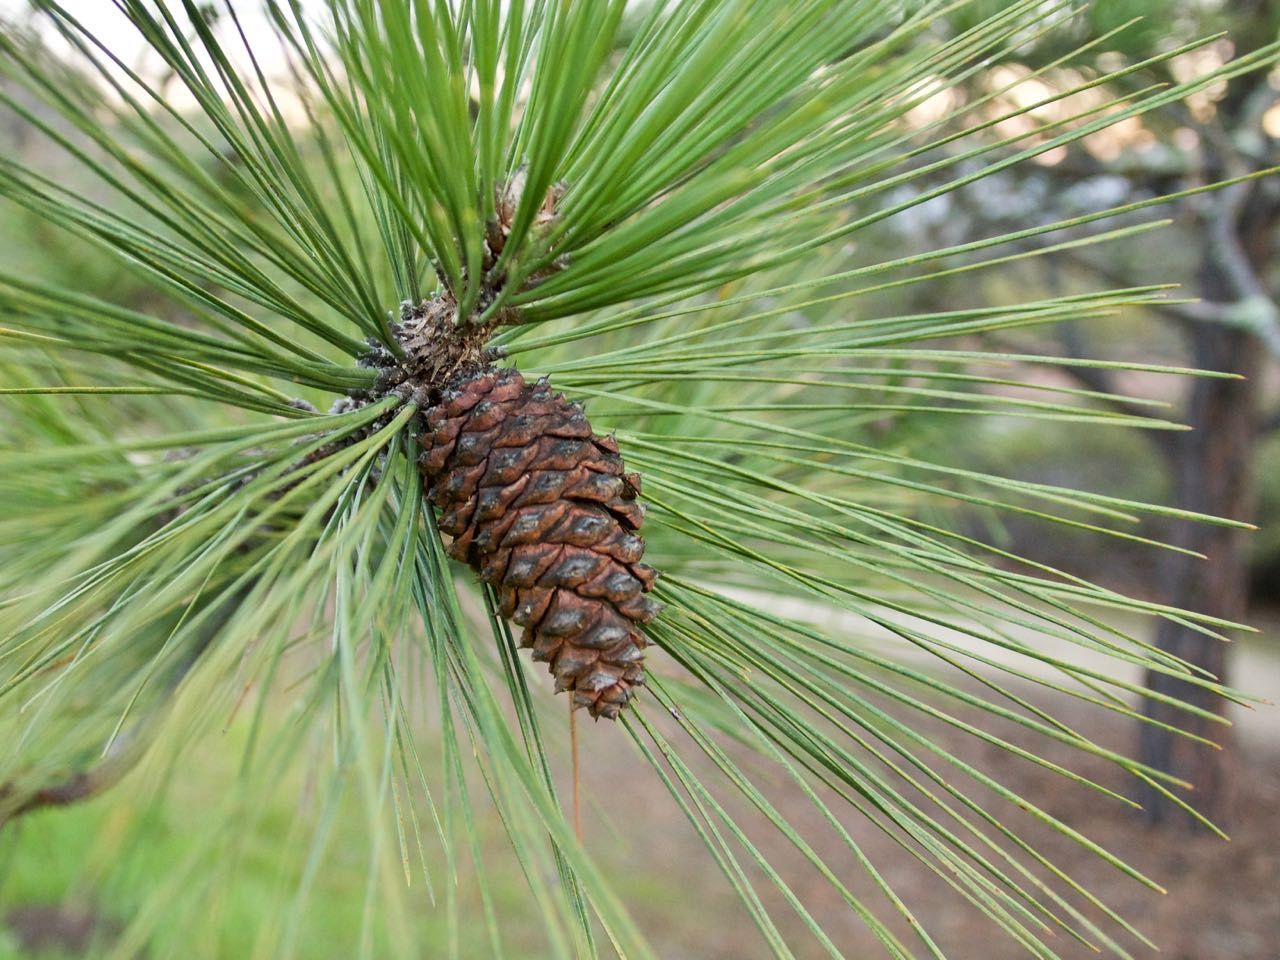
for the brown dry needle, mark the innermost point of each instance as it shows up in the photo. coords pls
(576, 770)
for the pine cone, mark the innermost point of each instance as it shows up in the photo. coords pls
(543, 509)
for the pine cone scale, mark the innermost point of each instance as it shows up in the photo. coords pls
(545, 511)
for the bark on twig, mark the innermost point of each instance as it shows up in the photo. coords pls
(128, 748)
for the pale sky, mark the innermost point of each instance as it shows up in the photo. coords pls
(101, 16)
(114, 30)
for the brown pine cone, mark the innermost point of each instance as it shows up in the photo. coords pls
(543, 509)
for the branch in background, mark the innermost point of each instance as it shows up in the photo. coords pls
(1245, 148)
(1251, 305)
(1257, 314)
(1260, 316)
(1181, 312)
(127, 748)
(81, 785)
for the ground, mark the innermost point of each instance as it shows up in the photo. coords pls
(1221, 903)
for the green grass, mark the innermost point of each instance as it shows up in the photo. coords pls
(116, 851)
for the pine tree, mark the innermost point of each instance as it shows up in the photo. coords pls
(297, 489)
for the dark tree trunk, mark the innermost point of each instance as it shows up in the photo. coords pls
(1213, 473)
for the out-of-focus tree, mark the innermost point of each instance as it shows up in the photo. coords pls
(1226, 243)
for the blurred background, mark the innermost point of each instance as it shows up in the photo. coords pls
(1219, 247)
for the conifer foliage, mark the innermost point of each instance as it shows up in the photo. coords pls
(348, 240)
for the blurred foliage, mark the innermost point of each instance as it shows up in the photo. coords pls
(1134, 29)
(1167, 150)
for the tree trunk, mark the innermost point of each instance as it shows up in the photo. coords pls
(1213, 473)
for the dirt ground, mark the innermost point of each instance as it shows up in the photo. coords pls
(1223, 900)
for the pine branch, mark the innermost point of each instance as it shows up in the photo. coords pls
(654, 211)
